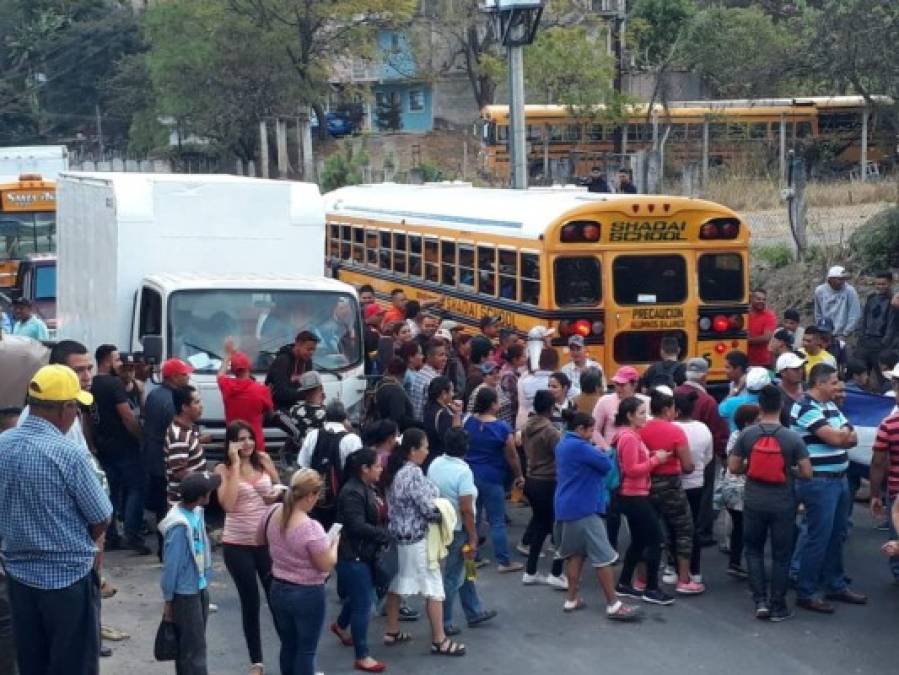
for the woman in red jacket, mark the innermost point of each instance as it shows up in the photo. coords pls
(636, 464)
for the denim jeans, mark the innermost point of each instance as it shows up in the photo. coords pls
(827, 513)
(299, 613)
(492, 502)
(454, 582)
(355, 588)
(126, 491)
(57, 632)
(757, 525)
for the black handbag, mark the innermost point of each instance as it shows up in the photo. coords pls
(165, 648)
(385, 566)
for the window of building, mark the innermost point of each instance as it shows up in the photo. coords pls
(508, 274)
(649, 280)
(432, 261)
(487, 270)
(577, 281)
(721, 277)
(399, 253)
(416, 100)
(530, 278)
(448, 263)
(466, 266)
(415, 268)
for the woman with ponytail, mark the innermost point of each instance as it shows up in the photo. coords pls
(580, 501)
(302, 558)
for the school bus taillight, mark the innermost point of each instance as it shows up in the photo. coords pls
(720, 324)
(580, 231)
(720, 228)
(582, 327)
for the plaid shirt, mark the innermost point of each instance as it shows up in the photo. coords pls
(49, 496)
(418, 392)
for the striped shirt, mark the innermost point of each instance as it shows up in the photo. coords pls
(184, 454)
(888, 441)
(809, 415)
(418, 393)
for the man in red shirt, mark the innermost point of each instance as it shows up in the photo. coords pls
(762, 324)
(244, 398)
(397, 310)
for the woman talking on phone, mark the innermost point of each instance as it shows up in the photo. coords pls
(249, 484)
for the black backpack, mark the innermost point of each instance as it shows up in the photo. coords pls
(326, 460)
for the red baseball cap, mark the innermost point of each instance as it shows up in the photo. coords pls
(239, 362)
(373, 310)
(174, 367)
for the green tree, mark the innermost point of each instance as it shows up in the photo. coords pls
(316, 36)
(216, 73)
(740, 53)
(389, 114)
(657, 30)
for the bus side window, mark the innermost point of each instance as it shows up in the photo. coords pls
(371, 247)
(466, 265)
(432, 261)
(758, 131)
(384, 253)
(334, 240)
(508, 275)
(358, 245)
(594, 132)
(803, 129)
(415, 256)
(448, 265)
(530, 278)
(399, 253)
(346, 238)
(487, 270)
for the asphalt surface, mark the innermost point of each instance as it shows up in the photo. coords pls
(713, 633)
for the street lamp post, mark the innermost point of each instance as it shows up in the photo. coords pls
(516, 24)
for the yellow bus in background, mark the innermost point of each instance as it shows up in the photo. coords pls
(620, 270)
(737, 129)
(27, 222)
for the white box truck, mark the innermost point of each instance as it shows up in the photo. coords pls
(47, 160)
(172, 265)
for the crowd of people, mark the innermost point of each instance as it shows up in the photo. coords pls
(413, 499)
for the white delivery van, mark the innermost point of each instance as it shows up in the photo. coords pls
(47, 160)
(171, 265)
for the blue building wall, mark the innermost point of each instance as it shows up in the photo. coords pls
(396, 73)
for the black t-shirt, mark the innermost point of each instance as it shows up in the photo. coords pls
(765, 496)
(111, 435)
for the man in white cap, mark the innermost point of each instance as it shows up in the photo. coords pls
(580, 361)
(838, 301)
(790, 368)
(756, 378)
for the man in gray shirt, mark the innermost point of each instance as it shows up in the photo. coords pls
(769, 505)
(838, 301)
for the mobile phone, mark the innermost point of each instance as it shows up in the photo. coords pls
(334, 532)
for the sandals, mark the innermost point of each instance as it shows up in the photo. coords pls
(391, 639)
(447, 648)
(344, 640)
(573, 605)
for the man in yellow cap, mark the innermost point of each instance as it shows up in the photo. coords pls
(52, 512)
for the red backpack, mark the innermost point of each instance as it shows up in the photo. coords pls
(766, 460)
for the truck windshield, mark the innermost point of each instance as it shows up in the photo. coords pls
(261, 323)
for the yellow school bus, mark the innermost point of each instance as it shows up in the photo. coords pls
(735, 128)
(27, 222)
(620, 270)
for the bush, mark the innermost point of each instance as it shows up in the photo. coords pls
(343, 168)
(875, 245)
(774, 256)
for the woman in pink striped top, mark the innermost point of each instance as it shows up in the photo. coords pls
(249, 481)
(636, 463)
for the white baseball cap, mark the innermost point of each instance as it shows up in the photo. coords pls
(837, 272)
(892, 374)
(757, 379)
(788, 360)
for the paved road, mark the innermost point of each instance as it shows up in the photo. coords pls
(712, 633)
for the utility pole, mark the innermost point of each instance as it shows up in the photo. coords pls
(99, 131)
(516, 24)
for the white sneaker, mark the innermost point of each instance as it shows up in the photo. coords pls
(669, 576)
(213, 608)
(560, 583)
(532, 579)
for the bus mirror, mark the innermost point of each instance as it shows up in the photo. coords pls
(152, 348)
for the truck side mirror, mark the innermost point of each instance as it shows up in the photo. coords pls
(152, 349)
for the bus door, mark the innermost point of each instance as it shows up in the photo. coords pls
(648, 298)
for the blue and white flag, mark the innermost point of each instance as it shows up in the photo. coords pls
(865, 412)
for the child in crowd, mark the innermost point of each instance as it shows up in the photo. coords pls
(187, 566)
